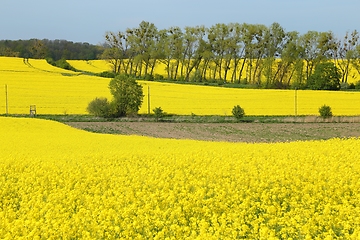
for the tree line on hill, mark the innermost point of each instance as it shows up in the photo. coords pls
(266, 56)
(254, 54)
(50, 49)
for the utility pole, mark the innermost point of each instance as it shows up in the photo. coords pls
(6, 97)
(295, 102)
(149, 100)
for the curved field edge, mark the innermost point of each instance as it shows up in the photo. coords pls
(230, 132)
(60, 182)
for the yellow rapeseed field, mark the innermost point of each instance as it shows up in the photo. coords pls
(53, 90)
(94, 66)
(205, 100)
(61, 183)
(58, 91)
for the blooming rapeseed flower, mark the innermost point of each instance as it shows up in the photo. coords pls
(60, 182)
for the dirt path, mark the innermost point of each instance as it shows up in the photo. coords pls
(232, 132)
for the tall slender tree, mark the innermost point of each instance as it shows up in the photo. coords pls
(275, 39)
(343, 53)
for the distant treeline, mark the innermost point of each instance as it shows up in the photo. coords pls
(265, 56)
(50, 49)
(251, 54)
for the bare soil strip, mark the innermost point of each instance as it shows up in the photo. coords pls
(231, 132)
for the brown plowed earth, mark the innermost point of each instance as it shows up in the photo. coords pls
(230, 132)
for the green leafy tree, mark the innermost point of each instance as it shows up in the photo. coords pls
(344, 52)
(275, 40)
(142, 41)
(219, 39)
(237, 49)
(127, 99)
(325, 77)
(250, 53)
(355, 60)
(317, 47)
(290, 66)
(127, 95)
(255, 42)
(194, 47)
(116, 51)
(174, 50)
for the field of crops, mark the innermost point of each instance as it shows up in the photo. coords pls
(93, 66)
(58, 182)
(52, 90)
(58, 91)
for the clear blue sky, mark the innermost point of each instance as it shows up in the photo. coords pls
(88, 20)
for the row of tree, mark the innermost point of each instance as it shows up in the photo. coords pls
(252, 53)
(54, 49)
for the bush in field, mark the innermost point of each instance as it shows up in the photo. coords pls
(238, 112)
(99, 107)
(158, 77)
(325, 111)
(107, 74)
(61, 63)
(357, 85)
(149, 77)
(127, 99)
(351, 86)
(159, 113)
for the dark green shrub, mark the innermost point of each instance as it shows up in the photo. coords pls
(244, 81)
(238, 112)
(51, 61)
(181, 79)
(61, 63)
(159, 113)
(220, 82)
(351, 86)
(149, 77)
(158, 77)
(325, 111)
(357, 85)
(107, 74)
(99, 107)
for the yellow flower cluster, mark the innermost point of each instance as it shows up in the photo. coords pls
(58, 91)
(61, 183)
